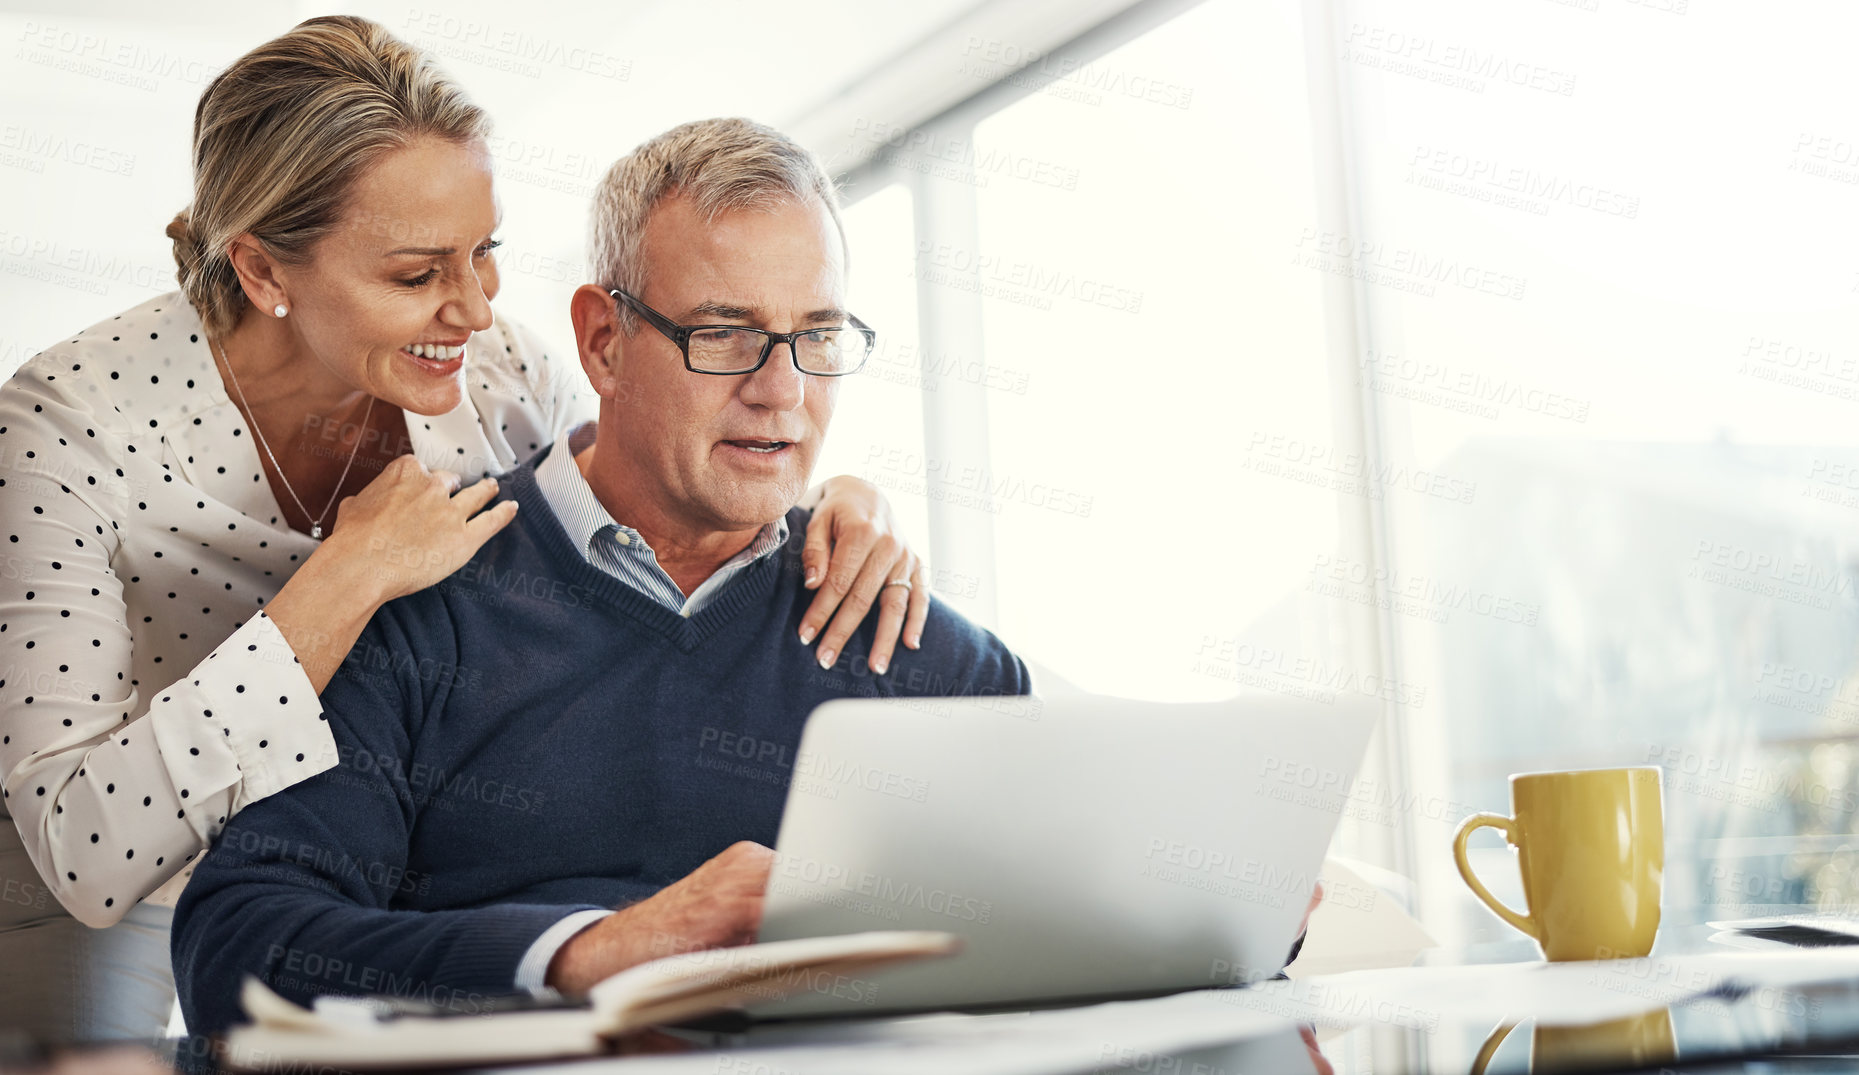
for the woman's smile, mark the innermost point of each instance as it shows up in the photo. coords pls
(438, 359)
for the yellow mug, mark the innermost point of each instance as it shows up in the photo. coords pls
(1591, 846)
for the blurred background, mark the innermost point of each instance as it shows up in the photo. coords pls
(1494, 359)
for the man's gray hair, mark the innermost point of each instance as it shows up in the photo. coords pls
(722, 165)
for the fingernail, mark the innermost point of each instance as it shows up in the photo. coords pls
(826, 658)
(813, 577)
(914, 643)
(880, 665)
(806, 635)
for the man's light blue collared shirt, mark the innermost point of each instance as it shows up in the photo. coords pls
(619, 551)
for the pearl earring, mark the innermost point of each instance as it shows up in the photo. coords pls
(280, 309)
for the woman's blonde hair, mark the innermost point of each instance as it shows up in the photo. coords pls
(282, 135)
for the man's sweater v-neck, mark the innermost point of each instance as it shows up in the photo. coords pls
(551, 544)
(622, 551)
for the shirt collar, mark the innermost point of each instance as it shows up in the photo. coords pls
(584, 517)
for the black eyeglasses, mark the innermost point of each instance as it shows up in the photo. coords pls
(727, 350)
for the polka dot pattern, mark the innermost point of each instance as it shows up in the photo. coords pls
(146, 541)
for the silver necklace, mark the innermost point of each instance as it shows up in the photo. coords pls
(316, 525)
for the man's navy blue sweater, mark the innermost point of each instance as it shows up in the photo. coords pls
(528, 738)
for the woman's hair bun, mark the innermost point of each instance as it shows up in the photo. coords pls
(186, 245)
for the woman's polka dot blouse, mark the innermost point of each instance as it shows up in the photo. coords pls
(147, 697)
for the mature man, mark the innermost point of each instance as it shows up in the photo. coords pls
(594, 658)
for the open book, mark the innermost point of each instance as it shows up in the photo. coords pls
(392, 1032)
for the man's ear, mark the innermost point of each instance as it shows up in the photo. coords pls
(258, 273)
(598, 337)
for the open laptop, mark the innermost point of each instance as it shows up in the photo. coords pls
(1082, 847)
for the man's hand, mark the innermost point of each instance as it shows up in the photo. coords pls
(1297, 946)
(1316, 897)
(718, 905)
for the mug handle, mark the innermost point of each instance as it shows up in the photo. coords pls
(1490, 1047)
(1509, 827)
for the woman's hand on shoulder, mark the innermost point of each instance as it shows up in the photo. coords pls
(853, 552)
(412, 526)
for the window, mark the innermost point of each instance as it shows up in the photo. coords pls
(1582, 476)
(1159, 373)
(877, 430)
(1625, 402)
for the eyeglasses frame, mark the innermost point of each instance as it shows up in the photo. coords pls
(681, 335)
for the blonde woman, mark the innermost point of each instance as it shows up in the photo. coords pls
(206, 497)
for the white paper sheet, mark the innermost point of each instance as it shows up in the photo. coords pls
(1356, 927)
(1550, 993)
(1147, 1035)
(1144, 1035)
